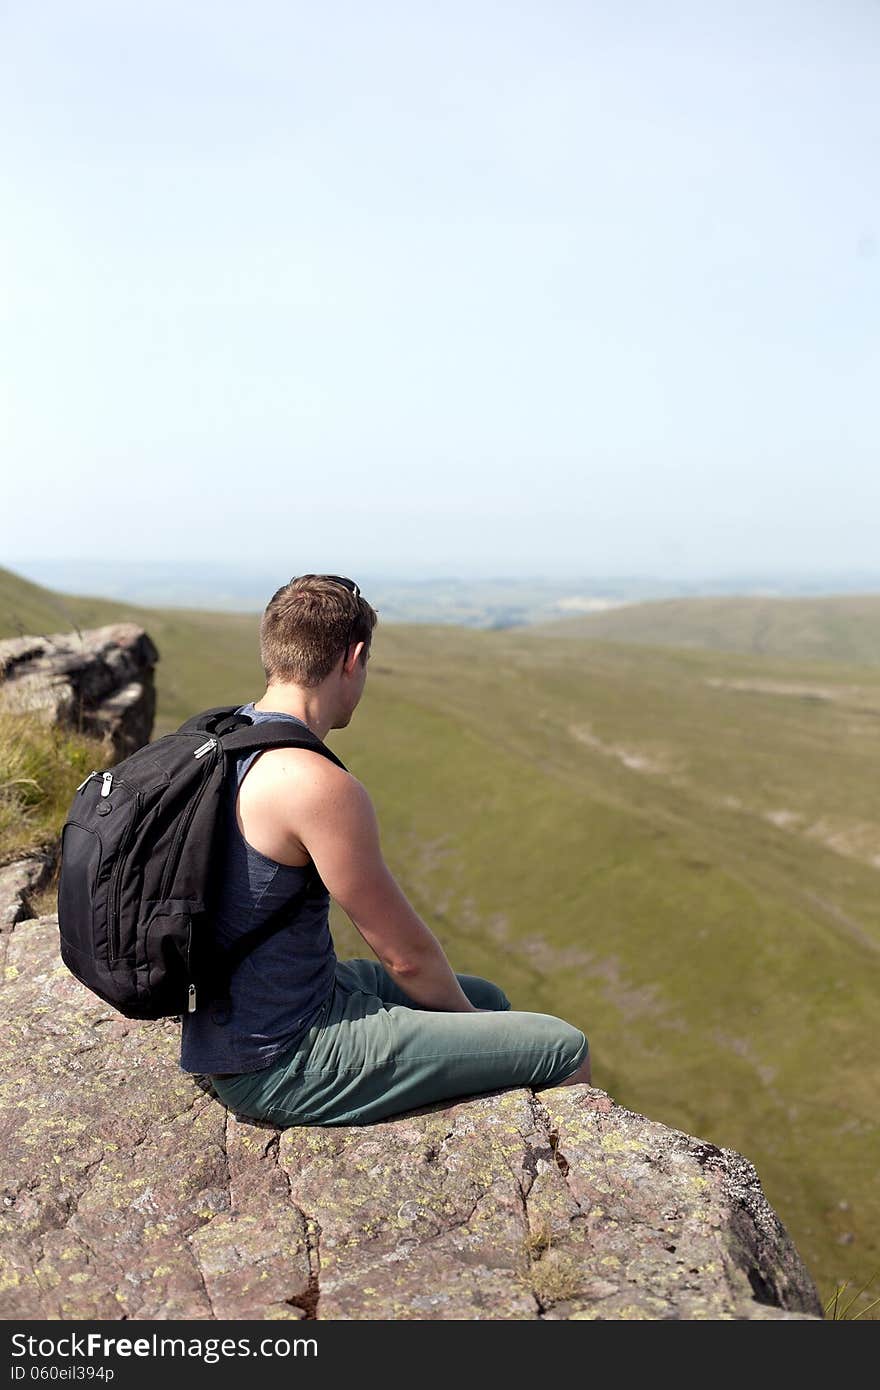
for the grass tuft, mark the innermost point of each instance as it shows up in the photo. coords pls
(40, 768)
(835, 1313)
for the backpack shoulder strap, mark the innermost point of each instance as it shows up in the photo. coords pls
(239, 734)
(276, 734)
(207, 721)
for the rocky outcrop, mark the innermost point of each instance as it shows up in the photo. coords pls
(18, 883)
(99, 682)
(126, 1191)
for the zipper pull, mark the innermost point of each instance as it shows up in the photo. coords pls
(205, 748)
(107, 783)
(191, 1000)
(86, 780)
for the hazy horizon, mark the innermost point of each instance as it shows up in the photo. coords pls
(517, 571)
(475, 600)
(454, 291)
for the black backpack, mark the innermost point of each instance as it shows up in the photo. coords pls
(137, 874)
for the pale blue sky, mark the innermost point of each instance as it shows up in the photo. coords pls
(476, 286)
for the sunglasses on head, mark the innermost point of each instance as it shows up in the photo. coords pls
(352, 588)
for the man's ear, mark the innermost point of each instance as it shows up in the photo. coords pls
(354, 656)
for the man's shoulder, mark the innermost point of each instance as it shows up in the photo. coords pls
(298, 792)
(304, 767)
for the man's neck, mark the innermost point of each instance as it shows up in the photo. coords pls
(306, 705)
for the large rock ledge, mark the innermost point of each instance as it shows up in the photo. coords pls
(127, 1192)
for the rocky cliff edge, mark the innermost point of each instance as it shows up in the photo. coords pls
(126, 1191)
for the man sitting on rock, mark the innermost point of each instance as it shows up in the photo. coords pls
(308, 1039)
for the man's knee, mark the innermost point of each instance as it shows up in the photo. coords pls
(498, 999)
(582, 1076)
(571, 1057)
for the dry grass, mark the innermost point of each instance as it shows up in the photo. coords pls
(839, 1306)
(40, 767)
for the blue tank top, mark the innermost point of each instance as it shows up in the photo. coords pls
(279, 989)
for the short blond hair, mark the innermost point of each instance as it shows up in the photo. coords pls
(306, 625)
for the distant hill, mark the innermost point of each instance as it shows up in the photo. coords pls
(839, 628)
(675, 848)
(27, 609)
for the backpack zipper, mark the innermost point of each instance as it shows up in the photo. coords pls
(115, 889)
(176, 849)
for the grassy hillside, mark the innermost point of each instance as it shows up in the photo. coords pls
(27, 609)
(676, 850)
(840, 628)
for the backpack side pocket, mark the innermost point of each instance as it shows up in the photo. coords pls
(81, 855)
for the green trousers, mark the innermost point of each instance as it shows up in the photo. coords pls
(373, 1052)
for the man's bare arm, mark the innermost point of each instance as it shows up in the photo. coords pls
(337, 824)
